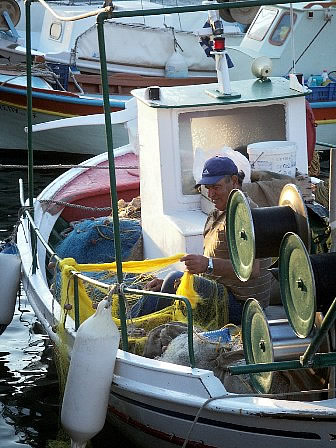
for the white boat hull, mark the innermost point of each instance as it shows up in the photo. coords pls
(155, 403)
(90, 140)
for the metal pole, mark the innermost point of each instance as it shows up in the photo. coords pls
(332, 196)
(29, 130)
(167, 10)
(117, 244)
(308, 357)
(189, 315)
(195, 8)
(321, 360)
(76, 302)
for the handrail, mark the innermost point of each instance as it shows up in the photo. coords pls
(102, 15)
(33, 225)
(106, 9)
(189, 315)
(122, 287)
(109, 10)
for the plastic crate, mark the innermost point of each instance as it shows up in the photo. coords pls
(62, 73)
(322, 93)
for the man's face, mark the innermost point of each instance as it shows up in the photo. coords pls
(219, 192)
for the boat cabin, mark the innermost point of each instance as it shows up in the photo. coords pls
(269, 35)
(186, 119)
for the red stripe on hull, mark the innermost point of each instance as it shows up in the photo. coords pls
(160, 435)
(329, 113)
(53, 107)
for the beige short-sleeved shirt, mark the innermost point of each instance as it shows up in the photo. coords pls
(215, 245)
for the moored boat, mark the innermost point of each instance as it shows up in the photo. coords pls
(155, 402)
(50, 104)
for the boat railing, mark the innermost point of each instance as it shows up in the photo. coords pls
(104, 14)
(121, 289)
(310, 358)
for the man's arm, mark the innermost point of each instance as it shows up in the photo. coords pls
(197, 264)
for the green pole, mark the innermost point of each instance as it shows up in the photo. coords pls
(195, 8)
(320, 361)
(101, 41)
(29, 129)
(189, 315)
(308, 357)
(76, 302)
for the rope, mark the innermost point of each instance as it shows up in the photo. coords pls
(67, 204)
(233, 396)
(53, 167)
(310, 43)
(314, 167)
(72, 75)
(322, 194)
(42, 70)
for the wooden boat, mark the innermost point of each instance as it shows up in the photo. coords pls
(50, 104)
(152, 401)
(309, 47)
(74, 43)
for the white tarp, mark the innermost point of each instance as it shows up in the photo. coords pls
(141, 46)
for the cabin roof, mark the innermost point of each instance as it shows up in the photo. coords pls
(251, 90)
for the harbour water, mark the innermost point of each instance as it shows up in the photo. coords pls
(29, 393)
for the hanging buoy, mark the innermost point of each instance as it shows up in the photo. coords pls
(176, 66)
(10, 271)
(90, 375)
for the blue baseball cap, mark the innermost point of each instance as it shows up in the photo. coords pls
(215, 169)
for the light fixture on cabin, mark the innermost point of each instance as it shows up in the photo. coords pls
(262, 68)
(222, 59)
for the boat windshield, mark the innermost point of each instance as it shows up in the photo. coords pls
(282, 29)
(262, 23)
(211, 132)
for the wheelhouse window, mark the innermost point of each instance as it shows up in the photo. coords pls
(55, 32)
(282, 29)
(262, 23)
(234, 128)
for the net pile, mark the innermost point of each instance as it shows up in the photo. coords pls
(92, 241)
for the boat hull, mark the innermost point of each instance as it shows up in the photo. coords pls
(154, 404)
(89, 140)
(325, 116)
(48, 105)
(150, 423)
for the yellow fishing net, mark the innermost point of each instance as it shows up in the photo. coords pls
(210, 310)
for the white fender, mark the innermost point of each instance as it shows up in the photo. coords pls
(90, 376)
(176, 66)
(10, 271)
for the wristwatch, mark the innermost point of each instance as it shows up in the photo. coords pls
(210, 268)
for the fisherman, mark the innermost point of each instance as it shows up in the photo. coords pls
(220, 176)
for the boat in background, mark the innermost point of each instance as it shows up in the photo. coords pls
(73, 44)
(155, 400)
(50, 104)
(313, 41)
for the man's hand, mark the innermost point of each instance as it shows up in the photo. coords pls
(154, 285)
(195, 264)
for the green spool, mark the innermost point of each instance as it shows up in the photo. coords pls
(240, 234)
(297, 284)
(249, 237)
(257, 343)
(291, 196)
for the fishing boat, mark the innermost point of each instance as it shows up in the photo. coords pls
(50, 104)
(55, 46)
(153, 401)
(295, 38)
(73, 43)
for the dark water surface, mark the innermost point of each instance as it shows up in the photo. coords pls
(29, 392)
